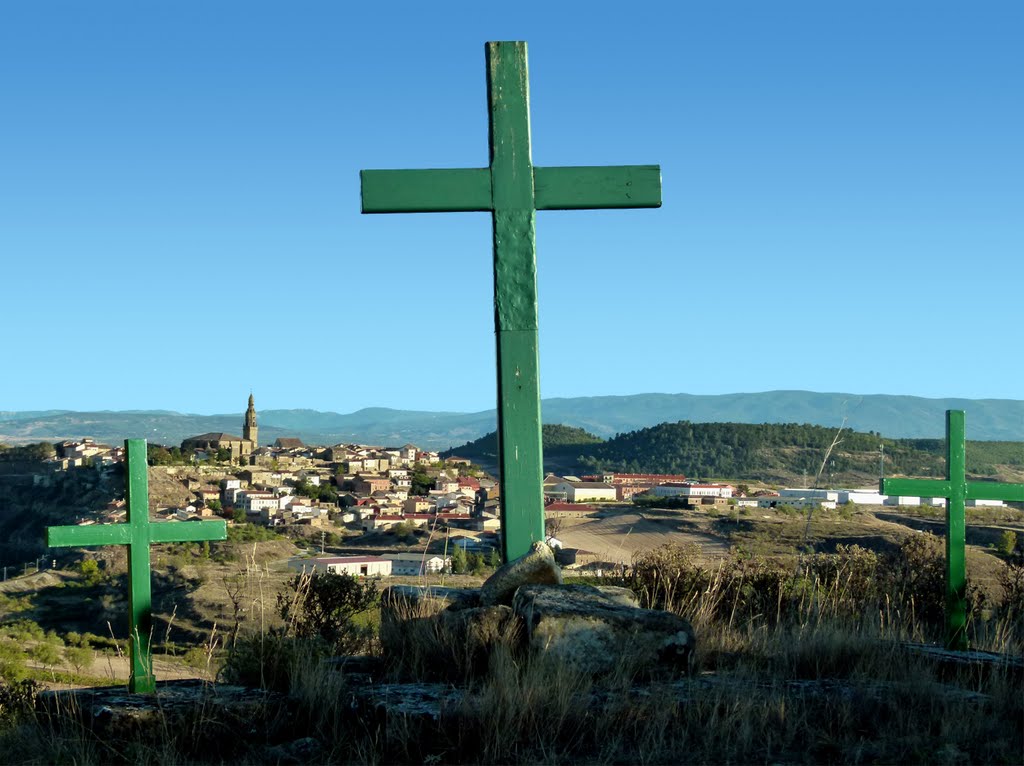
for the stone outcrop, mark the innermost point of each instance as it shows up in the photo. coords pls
(433, 632)
(198, 711)
(536, 567)
(450, 633)
(596, 633)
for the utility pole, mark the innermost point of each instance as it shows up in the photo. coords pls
(323, 537)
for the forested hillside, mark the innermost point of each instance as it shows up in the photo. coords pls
(554, 436)
(768, 452)
(776, 451)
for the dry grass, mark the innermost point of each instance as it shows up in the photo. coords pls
(795, 666)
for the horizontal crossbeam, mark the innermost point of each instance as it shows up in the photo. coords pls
(120, 534)
(976, 490)
(917, 487)
(990, 490)
(592, 188)
(466, 190)
(187, 531)
(88, 536)
(456, 190)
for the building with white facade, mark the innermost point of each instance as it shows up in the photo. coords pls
(356, 566)
(417, 564)
(582, 491)
(692, 491)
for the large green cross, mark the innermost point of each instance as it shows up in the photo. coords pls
(957, 490)
(512, 190)
(138, 534)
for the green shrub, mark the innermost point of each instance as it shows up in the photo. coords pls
(79, 657)
(90, 569)
(16, 700)
(12, 661)
(1007, 543)
(325, 606)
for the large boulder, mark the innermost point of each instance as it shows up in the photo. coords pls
(598, 633)
(536, 567)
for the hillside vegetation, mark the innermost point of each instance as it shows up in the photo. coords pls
(766, 452)
(554, 436)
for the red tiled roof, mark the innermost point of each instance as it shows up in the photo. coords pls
(347, 560)
(568, 507)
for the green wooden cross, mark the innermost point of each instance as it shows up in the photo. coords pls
(957, 490)
(138, 534)
(512, 190)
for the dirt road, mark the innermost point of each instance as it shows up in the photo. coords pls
(618, 537)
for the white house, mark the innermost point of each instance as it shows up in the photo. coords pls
(357, 566)
(796, 502)
(861, 497)
(254, 502)
(417, 564)
(583, 491)
(823, 494)
(691, 490)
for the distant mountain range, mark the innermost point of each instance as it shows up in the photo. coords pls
(605, 416)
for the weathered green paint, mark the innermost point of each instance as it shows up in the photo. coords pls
(138, 534)
(512, 190)
(464, 190)
(468, 190)
(597, 187)
(957, 490)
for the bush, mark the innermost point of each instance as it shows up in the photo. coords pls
(250, 533)
(12, 661)
(1007, 543)
(320, 619)
(324, 606)
(847, 584)
(459, 560)
(90, 569)
(79, 657)
(17, 699)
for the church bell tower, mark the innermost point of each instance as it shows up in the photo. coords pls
(250, 429)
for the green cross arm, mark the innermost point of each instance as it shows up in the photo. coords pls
(975, 490)
(187, 531)
(121, 534)
(88, 536)
(469, 189)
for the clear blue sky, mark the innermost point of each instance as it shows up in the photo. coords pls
(179, 201)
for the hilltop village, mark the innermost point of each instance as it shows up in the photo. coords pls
(363, 497)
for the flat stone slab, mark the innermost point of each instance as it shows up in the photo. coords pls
(177, 705)
(412, 700)
(968, 657)
(596, 633)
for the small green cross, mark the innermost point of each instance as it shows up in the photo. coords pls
(512, 190)
(138, 534)
(957, 490)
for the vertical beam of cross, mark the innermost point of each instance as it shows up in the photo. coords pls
(138, 534)
(512, 190)
(515, 300)
(957, 491)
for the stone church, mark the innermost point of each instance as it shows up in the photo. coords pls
(238, 446)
